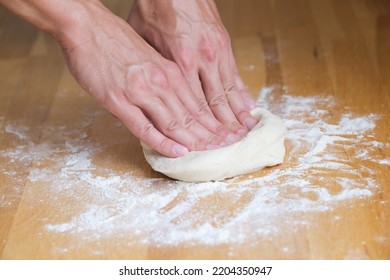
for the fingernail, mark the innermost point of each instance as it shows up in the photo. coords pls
(250, 103)
(224, 144)
(250, 123)
(242, 132)
(212, 147)
(232, 138)
(179, 150)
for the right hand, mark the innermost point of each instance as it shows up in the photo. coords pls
(191, 34)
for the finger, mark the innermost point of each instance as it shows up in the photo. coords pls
(248, 99)
(144, 130)
(194, 99)
(167, 123)
(235, 98)
(218, 102)
(206, 138)
(177, 124)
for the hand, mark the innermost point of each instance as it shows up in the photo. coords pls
(191, 34)
(136, 84)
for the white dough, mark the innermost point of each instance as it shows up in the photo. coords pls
(263, 146)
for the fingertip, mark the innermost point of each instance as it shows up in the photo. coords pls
(250, 123)
(250, 103)
(242, 132)
(211, 147)
(179, 150)
(232, 138)
(248, 99)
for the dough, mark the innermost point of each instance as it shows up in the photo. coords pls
(263, 146)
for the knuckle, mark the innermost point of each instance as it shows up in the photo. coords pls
(231, 89)
(197, 145)
(208, 53)
(243, 90)
(206, 49)
(220, 129)
(235, 126)
(164, 145)
(218, 100)
(172, 125)
(203, 107)
(186, 58)
(188, 121)
(145, 130)
(222, 38)
(159, 78)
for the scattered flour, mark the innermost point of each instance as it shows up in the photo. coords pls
(320, 170)
(19, 131)
(384, 161)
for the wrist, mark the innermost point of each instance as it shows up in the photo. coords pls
(65, 21)
(75, 24)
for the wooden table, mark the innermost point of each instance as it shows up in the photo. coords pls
(74, 183)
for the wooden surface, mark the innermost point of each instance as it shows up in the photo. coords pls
(62, 156)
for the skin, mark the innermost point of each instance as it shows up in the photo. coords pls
(168, 73)
(191, 34)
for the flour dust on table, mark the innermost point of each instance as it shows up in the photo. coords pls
(91, 202)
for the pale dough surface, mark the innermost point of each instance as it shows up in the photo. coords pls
(263, 146)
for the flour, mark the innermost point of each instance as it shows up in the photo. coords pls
(320, 171)
(384, 161)
(19, 131)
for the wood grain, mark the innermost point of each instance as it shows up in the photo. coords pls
(303, 48)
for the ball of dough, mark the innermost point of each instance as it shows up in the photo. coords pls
(263, 146)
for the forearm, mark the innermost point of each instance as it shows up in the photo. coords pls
(66, 21)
